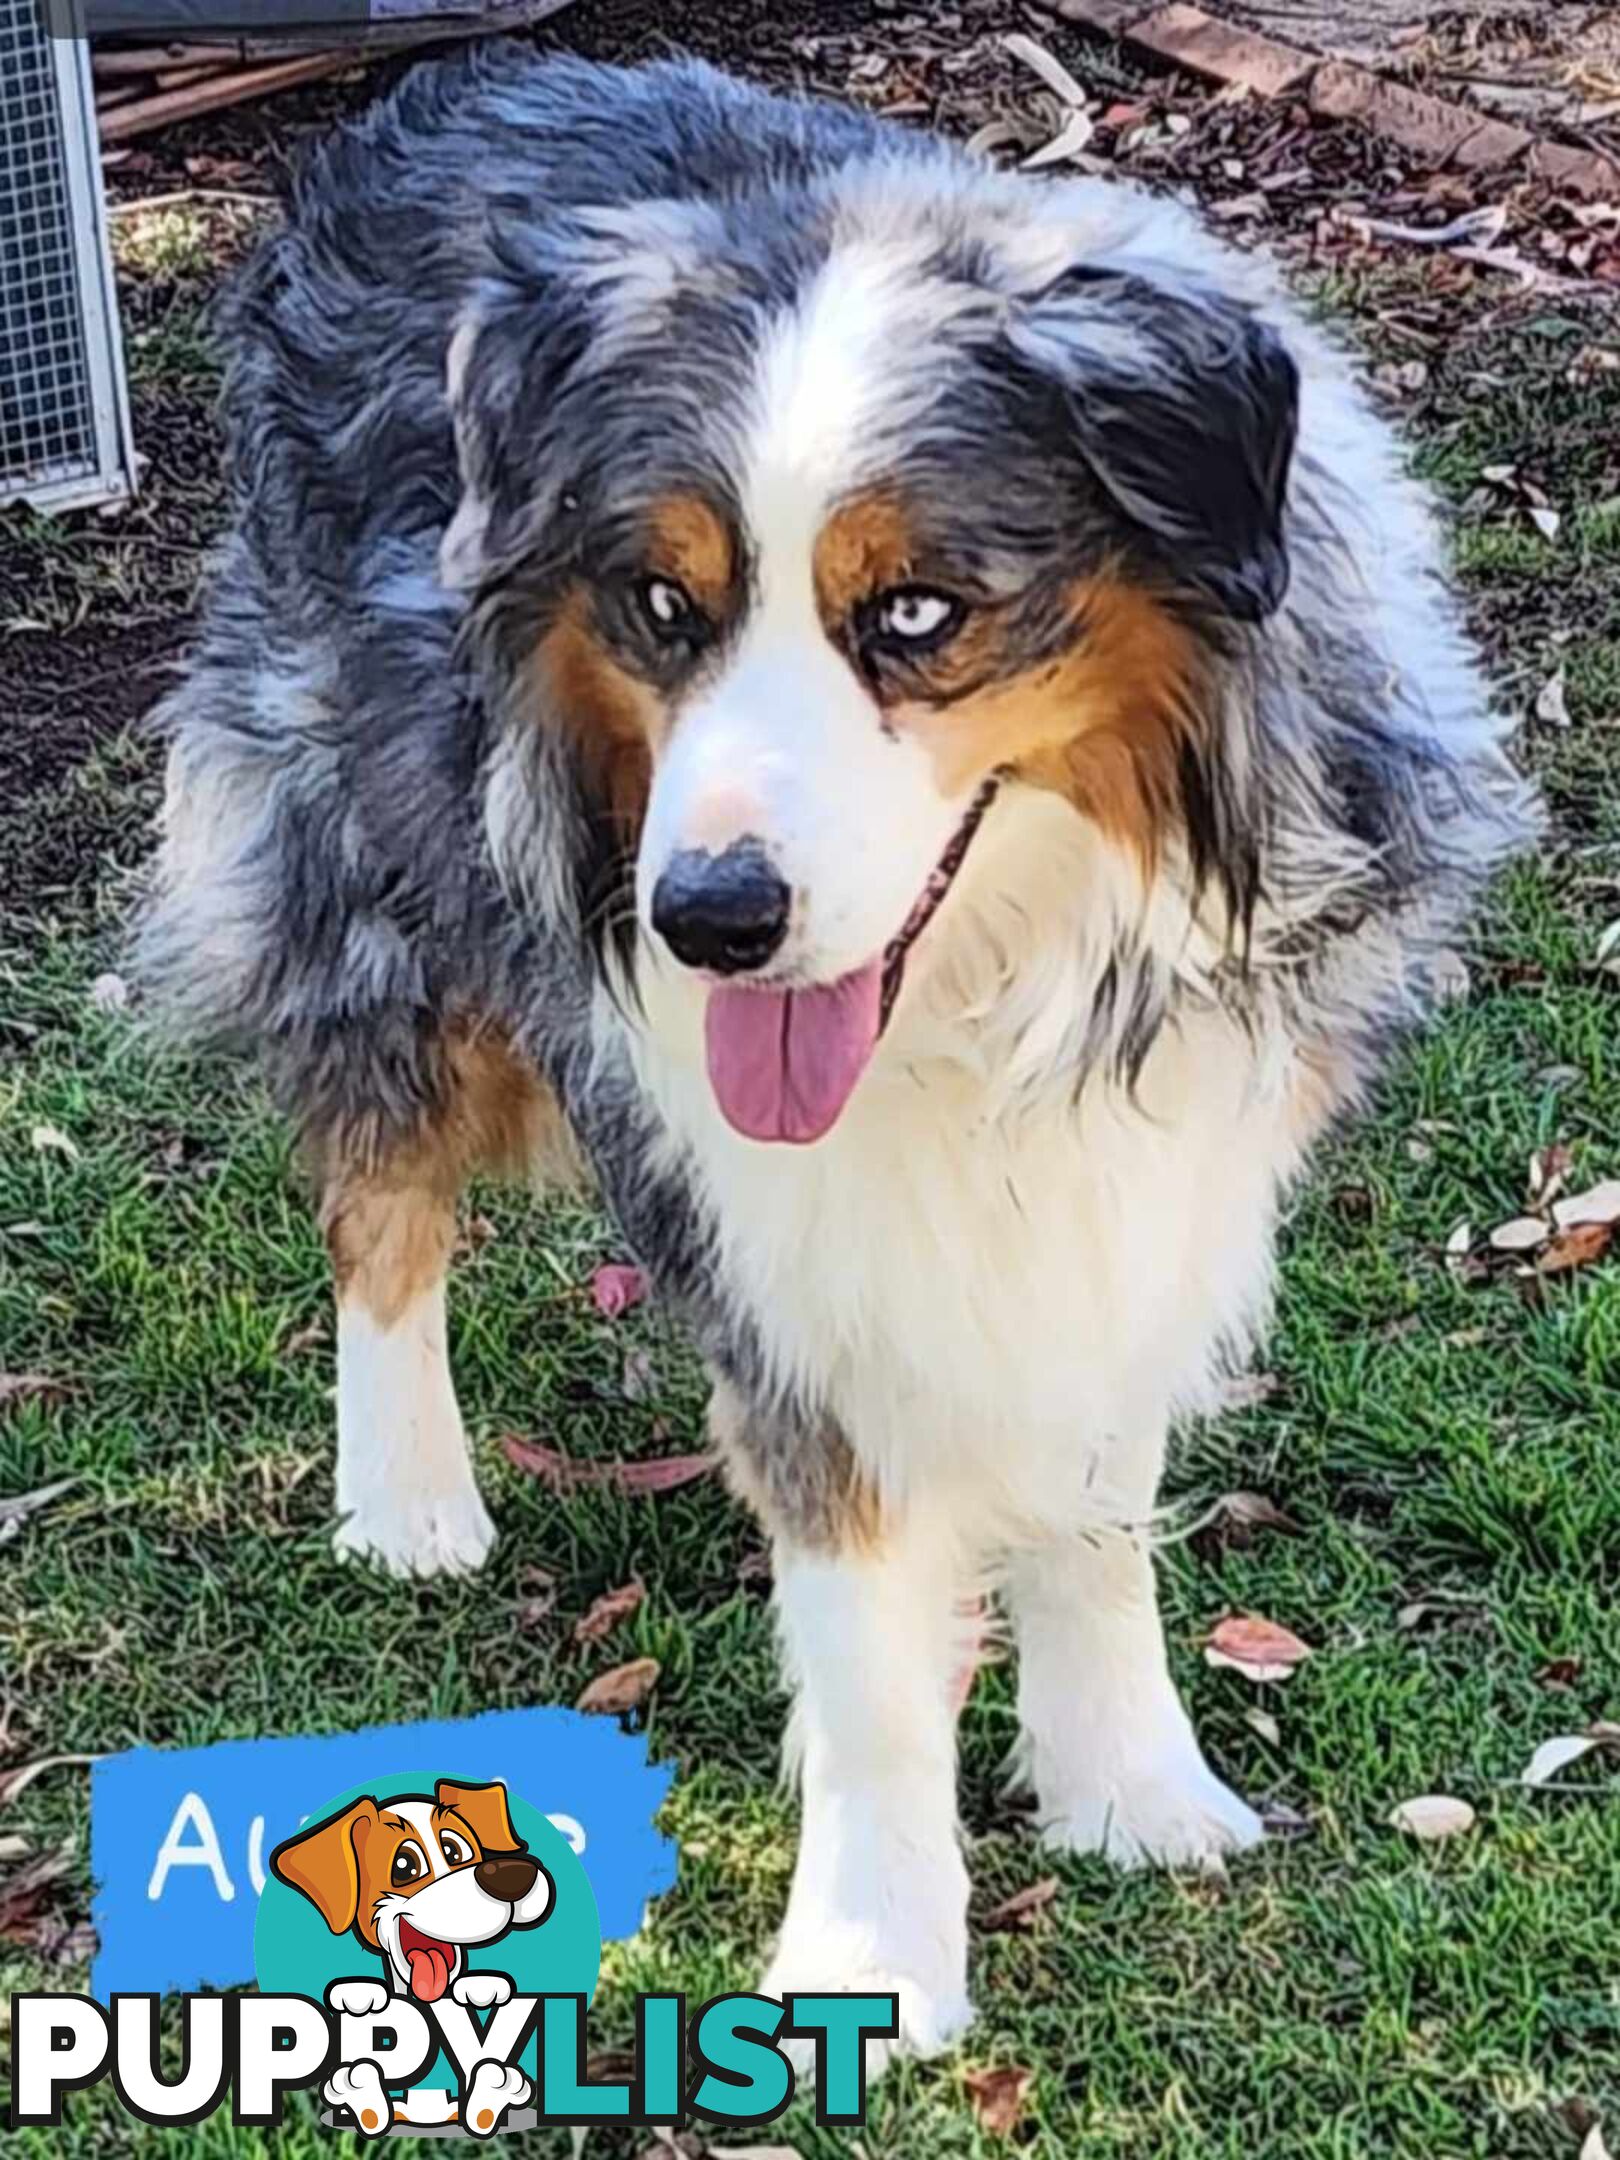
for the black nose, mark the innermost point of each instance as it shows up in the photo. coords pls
(507, 1876)
(725, 912)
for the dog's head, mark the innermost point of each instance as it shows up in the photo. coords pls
(419, 1879)
(812, 520)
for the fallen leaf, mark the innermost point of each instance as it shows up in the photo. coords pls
(17, 1387)
(1552, 708)
(608, 1610)
(1523, 1234)
(1547, 521)
(109, 993)
(51, 1140)
(565, 1473)
(625, 1688)
(301, 1339)
(616, 1286)
(1555, 1755)
(23, 1896)
(1250, 1512)
(1475, 228)
(14, 1783)
(1576, 1247)
(1069, 142)
(1432, 1817)
(1560, 1672)
(1046, 65)
(1608, 946)
(15, 1508)
(998, 2098)
(1549, 1172)
(1259, 1649)
(1262, 1722)
(1019, 1912)
(1599, 1204)
(1459, 1242)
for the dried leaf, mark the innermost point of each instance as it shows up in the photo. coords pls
(616, 1287)
(1608, 946)
(14, 1783)
(1262, 1722)
(1019, 1912)
(1560, 1672)
(1250, 1512)
(998, 2098)
(1070, 141)
(1555, 1755)
(564, 1473)
(1259, 1649)
(23, 1897)
(51, 1140)
(608, 1610)
(625, 1688)
(1552, 708)
(1047, 66)
(15, 1508)
(1598, 1204)
(1475, 228)
(19, 1387)
(1576, 1247)
(1523, 1234)
(310, 1337)
(1432, 1817)
(1549, 1172)
(638, 1382)
(1547, 521)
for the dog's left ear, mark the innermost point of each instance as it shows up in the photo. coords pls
(1183, 404)
(484, 1809)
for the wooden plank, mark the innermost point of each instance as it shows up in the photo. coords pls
(230, 87)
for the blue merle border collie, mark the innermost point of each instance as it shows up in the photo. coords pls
(908, 721)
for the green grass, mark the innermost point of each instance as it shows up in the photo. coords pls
(1346, 1995)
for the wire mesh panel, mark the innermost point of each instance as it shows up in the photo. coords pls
(64, 434)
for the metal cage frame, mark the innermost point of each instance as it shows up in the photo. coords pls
(59, 206)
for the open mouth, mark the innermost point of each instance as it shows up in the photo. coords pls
(784, 1062)
(430, 1961)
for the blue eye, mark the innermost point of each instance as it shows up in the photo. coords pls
(915, 615)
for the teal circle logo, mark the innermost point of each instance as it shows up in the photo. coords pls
(418, 1883)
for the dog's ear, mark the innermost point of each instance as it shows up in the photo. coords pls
(323, 1862)
(1183, 405)
(484, 1809)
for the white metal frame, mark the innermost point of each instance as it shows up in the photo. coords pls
(113, 478)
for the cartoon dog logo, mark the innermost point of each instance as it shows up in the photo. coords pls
(419, 1881)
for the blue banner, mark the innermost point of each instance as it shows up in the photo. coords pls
(179, 1838)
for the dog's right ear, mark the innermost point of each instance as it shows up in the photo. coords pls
(323, 1863)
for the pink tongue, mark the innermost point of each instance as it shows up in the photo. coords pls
(783, 1063)
(430, 1973)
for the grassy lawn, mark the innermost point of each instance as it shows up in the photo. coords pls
(1449, 1449)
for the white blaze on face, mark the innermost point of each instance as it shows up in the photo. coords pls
(423, 1925)
(788, 746)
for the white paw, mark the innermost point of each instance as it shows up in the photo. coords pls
(1179, 1816)
(359, 2088)
(357, 1998)
(932, 2017)
(481, 1990)
(412, 1535)
(495, 2089)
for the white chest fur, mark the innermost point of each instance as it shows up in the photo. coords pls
(1015, 1297)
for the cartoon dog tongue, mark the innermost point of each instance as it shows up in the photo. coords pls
(783, 1063)
(430, 1969)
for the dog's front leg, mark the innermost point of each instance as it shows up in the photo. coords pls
(879, 1900)
(1106, 1743)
